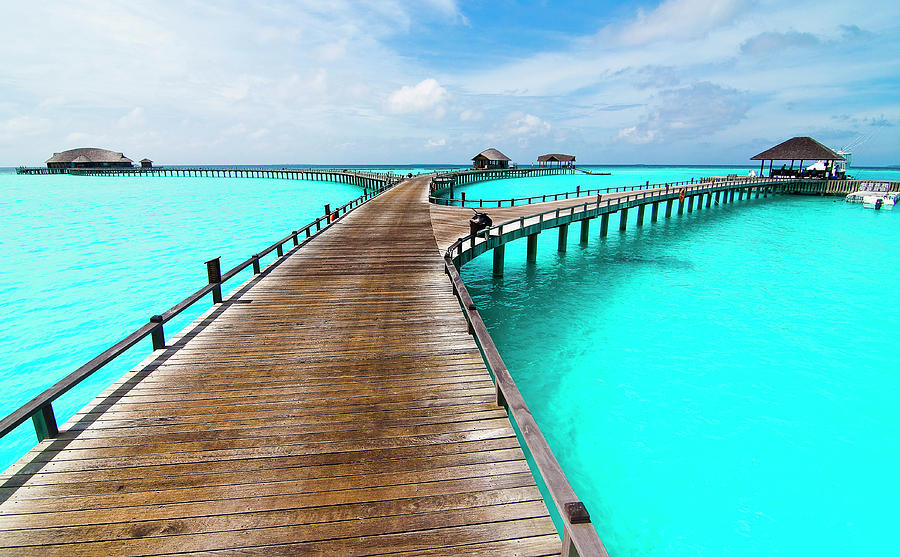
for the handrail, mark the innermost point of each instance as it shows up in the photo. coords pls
(40, 408)
(137, 170)
(578, 536)
(610, 206)
(511, 202)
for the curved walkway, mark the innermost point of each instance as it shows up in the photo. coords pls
(334, 405)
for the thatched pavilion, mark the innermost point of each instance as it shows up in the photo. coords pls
(798, 149)
(557, 159)
(490, 159)
(89, 157)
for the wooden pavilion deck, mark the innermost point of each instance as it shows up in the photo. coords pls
(334, 405)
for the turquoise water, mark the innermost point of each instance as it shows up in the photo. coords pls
(720, 383)
(87, 260)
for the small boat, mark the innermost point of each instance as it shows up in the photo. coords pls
(874, 199)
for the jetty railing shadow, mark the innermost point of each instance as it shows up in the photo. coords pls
(40, 408)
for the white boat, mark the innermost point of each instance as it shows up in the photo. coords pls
(874, 199)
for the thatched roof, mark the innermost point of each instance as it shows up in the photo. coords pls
(556, 157)
(146, 160)
(491, 155)
(798, 148)
(89, 154)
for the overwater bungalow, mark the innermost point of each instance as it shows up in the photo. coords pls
(826, 163)
(556, 159)
(490, 159)
(89, 157)
(146, 163)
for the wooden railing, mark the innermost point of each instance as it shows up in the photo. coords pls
(578, 192)
(831, 187)
(40, 408)
(578, 534)
(470, 246)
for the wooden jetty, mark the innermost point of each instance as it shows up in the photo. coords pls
(343, 176)
(338, 402)
(449, 180)
(512, 222)
(335, 404)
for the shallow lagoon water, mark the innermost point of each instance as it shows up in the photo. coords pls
(720, 383)
(89, 259)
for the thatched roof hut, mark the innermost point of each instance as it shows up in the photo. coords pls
(490, 158)
(557, 158)
(89, 157)
(797, 149)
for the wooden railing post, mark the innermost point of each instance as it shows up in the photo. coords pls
(157, 336)
(45, 423)
(255, 263)
(214, 274)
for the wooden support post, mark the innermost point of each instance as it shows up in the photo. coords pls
(157, 336)
(741, 194)
(585, 230)
(669, 203)
(563, 237)
(690, 203)
(255, 263)
(604, 224)
(757, 190)
(654, 211)
(623, 218)
(718, 194)
(531, 251)
(214, 274)
(640, 216)
(731, 196)
(45, 423)
(681, 206)
(499, 252)
(708, 199)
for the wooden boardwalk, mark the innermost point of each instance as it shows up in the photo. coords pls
(451, 223)
(335, 405)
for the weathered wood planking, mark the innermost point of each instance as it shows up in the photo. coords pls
(339, 407)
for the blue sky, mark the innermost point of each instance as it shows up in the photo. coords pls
(436, 81)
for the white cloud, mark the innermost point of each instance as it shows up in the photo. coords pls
(526, 125)
(689, 112)
(134, 119)
(469, 115)
(674, 19)
(433, 143)
(426, 97)
(21, 126)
